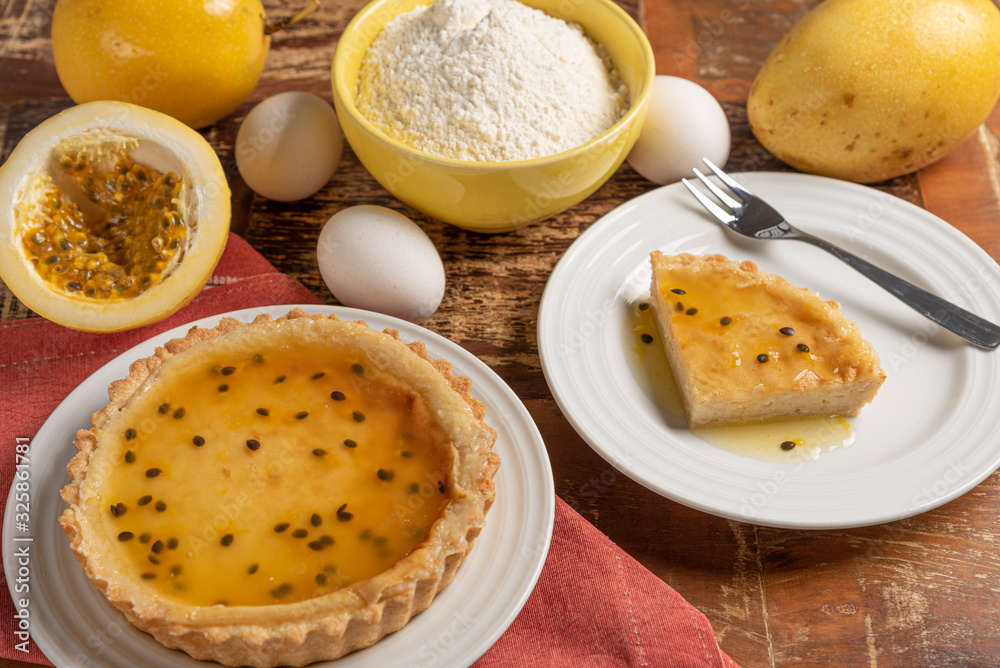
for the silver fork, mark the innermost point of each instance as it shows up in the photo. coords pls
(752, 217)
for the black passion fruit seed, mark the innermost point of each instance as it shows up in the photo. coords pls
(385, 475)
(678, 291)
(198, 441)
(315, 520)
(129, 457)
(647, 338)
(160, 506)
(164, 409)
(691, 311)
(263, 411)
(725, 320)
(228, 370)
(803, 347)
(343, 515)
(787, 331)
(179, 413)
(226, 540)
(253, 444)
(763, 357)
(787, 445)
(300, 533)
(224, 387)
(152, 473)
(281, 590)
(302, 415)
(278, 528)
(351, 443)
(357, 368)
(143, 500)
(317, 376)
(279, 379)
(337, 396)
(130, 434)
(126, 535)
(319, 452)
(358, 416)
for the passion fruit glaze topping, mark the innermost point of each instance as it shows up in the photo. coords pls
(310, 472)
(119, 252)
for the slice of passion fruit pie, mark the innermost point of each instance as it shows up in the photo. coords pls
(280, 492)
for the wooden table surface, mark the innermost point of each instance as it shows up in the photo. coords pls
(917, 592)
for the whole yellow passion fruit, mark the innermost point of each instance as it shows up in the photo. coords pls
(868, 90)
(195, 60)
(112, 216)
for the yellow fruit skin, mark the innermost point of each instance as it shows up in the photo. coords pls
(867, 90)
(195, 60)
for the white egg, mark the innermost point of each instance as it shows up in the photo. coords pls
(684, 124)
(289, 146)
(376, 259)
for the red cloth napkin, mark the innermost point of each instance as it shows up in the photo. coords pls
(593, 605)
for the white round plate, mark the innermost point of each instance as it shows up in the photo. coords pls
(931, 434)
(73, 624)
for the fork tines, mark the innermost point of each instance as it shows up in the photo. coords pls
(713, 208)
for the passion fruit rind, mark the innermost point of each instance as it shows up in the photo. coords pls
(116, 216)
(331, 625)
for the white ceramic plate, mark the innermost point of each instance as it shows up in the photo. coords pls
(933, 432)
(73, 624)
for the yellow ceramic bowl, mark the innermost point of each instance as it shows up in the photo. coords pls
(496, 196)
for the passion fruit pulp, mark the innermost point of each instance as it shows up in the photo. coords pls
(112, 216)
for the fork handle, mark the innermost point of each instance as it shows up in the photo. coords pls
(967, 325)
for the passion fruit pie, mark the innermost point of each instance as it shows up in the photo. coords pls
(747, 346)
(280, 492)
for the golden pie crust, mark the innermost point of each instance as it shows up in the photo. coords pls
(747, 346)
(274, 618)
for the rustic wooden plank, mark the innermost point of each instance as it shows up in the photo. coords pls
(947, 186)
(919, 592)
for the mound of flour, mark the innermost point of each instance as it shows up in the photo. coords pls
(488, 80)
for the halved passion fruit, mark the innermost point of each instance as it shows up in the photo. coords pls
(112, 216)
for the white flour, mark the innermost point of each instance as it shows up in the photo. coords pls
(488, 80)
